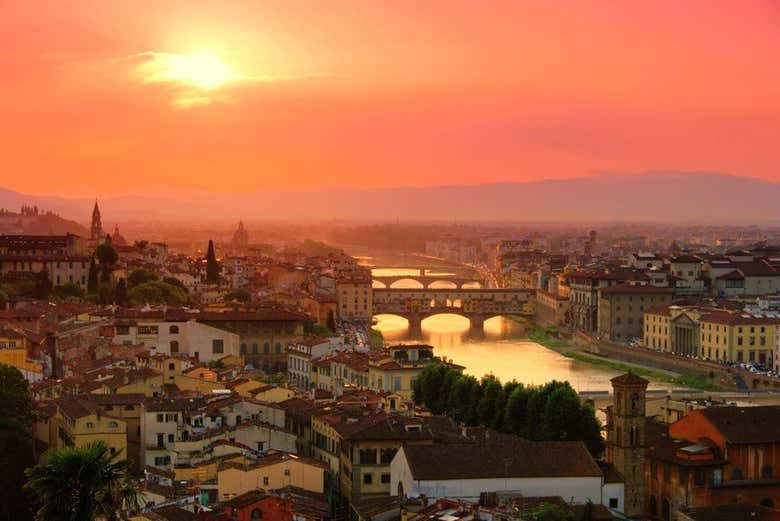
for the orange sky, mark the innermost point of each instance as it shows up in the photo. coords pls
(370, 94)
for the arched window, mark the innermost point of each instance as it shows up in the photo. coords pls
(767, 472)
(267, 347)
(653, 507)
(278, 347)
(243, 349)
(113, 425)
(736, 473)
(254, 349)
(174, 330)
(174, 346)
(256, 514)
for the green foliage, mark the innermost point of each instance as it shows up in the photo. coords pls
(376, 339)
(120, 294)
(140, 276)
(173, 281)
(551, 512)
(212, 267)
(215, 364)
(552, 412)
(43, 285)
(240, 295)
(16, 449)
(548, 337)
(92, 280)
(311, 328)
(68, 290)
(272, 379)
(105, 294)
(156, 292)
(82, 483)
(106, 254)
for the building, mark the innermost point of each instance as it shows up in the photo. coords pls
(713, 457)
(465, 471)
(79, 422)
(354, 295)
(551, 309)
(626, 438)
(270, 472)
(622, 309)
(712, 333)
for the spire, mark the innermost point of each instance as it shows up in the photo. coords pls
(96, 229)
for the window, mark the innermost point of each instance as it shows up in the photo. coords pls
(90, 425)
(266, 348)
(174, 346)
(256, 514)
(767, 472)
(243, 348)
(613, 502)
(717, 476)
(218, 346)
(385, 478)
(386, 455)
(265, 481)
(174, 330)
(160, 418)
(113, 425)
(736, 473)
(171, 366)
(278, 347)
(367, 456)
(368, 478)
(171, 438)
(254, 349)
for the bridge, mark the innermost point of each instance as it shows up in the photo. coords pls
(428, 276)
(476, 304)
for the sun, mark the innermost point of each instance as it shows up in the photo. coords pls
(204, 70)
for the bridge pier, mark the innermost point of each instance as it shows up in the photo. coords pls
(477, 322)
(415, 324)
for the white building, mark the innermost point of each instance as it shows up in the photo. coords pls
(463, 471)
(169, 333)
(300, 355)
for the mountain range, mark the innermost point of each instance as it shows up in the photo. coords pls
(663, 197)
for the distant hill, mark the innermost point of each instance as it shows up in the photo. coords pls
(45, 223)
(650, 197)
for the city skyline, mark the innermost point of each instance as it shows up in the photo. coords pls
(152, 99)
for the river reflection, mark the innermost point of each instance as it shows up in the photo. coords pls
(502, 349)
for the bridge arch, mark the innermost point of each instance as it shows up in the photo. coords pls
(378, 284)
(442, 284)
(406, 280)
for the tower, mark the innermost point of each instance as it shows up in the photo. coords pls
(96, 230)
(626, 438)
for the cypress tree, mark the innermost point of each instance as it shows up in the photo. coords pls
(92, 281)
(212, 268)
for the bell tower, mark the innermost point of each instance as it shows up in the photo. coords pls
(626, 438)
(96, 230)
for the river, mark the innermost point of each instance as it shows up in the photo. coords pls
(503, 350)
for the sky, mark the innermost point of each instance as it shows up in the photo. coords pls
(145, 97)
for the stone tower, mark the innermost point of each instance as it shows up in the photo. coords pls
(96, 230)
(626, 438)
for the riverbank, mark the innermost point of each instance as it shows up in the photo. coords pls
(550, 338)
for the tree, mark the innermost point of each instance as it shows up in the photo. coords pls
(491, 390)
(516, 407)
(173, 281)
(92, 280)
(69, 290)
(80, 483)
(588, 512)
(16, 449)
(120, 294)
(212, 267)
(330, 322)
(156, 292)
(240, 296)
(550, 512)
(43, 285)
(106, 254)
(140, 276)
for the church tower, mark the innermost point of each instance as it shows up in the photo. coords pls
(626, 438)
(96, 230)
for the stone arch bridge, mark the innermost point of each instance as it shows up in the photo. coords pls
(477, 305)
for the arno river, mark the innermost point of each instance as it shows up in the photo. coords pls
(502, 350)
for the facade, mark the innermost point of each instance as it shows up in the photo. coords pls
(626, 438)
(354, 295)
(271, 472)
(711, 457)
(79, 422)
(622, 308)
(551, 309)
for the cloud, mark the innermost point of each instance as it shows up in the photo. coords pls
(196, 79)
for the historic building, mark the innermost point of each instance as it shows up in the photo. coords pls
(626, 438)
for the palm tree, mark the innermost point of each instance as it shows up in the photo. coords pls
(82, 483)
